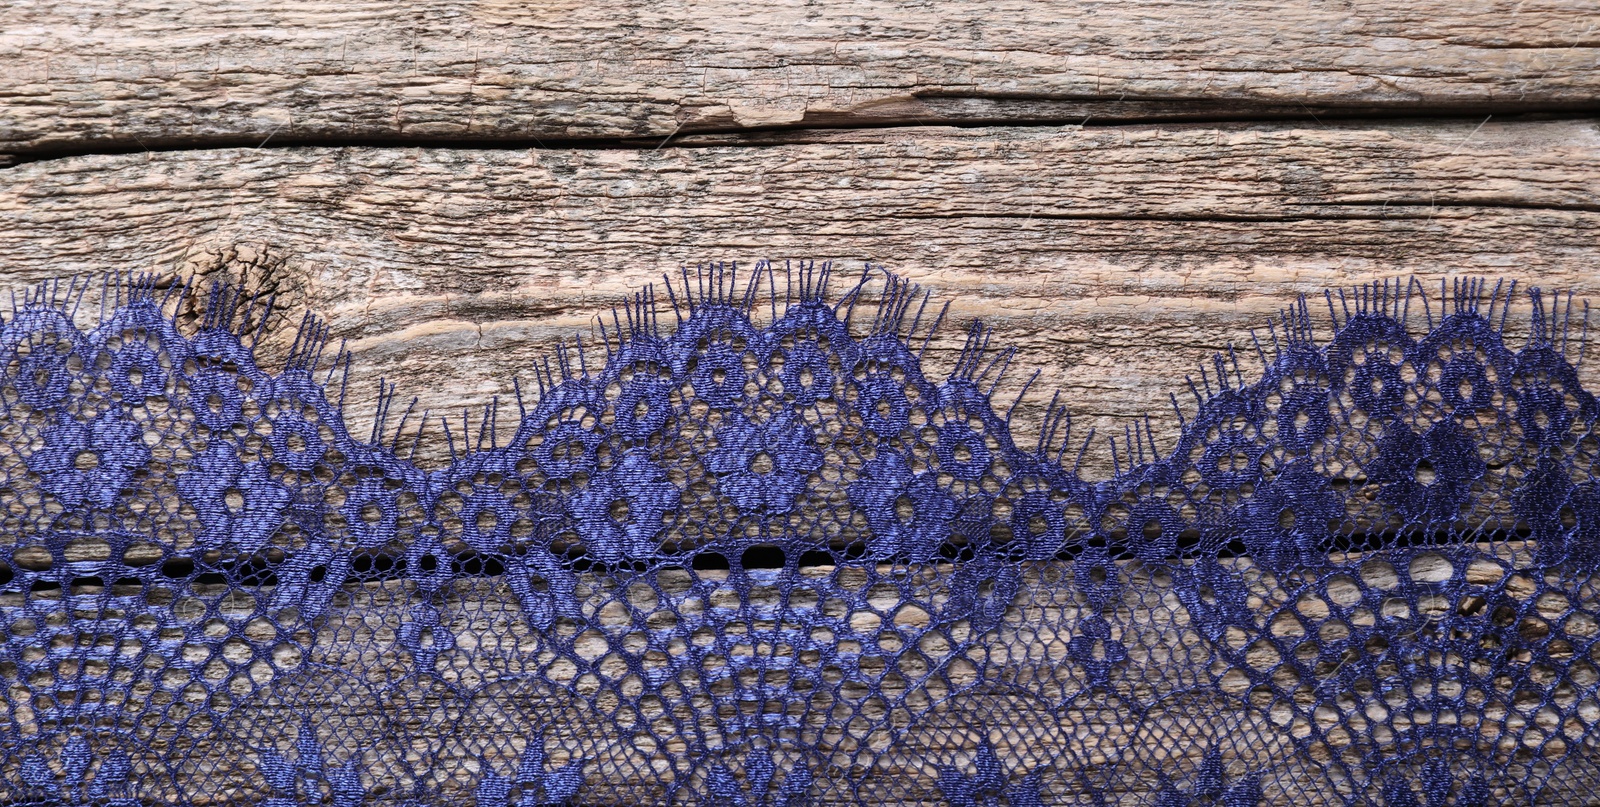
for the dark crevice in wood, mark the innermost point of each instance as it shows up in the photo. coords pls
(1341, 211)
(976, 112)
(257, 571)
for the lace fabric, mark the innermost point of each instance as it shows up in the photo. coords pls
(762, 555)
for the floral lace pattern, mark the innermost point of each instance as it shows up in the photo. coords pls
(765, 557)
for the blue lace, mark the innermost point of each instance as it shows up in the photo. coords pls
(734, 563)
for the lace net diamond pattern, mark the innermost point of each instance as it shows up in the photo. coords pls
(762, 556)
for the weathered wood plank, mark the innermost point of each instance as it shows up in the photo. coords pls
(102, 75)
(1116, 259)
(503, 684)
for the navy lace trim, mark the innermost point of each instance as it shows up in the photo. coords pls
(778, 564)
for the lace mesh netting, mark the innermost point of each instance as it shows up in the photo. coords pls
(761, 557)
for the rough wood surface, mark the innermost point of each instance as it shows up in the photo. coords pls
(97, 74)
(1115, 259)
(487, 690)
(456, 185)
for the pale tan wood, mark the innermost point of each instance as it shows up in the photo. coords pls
(99, 74)
(1114, 259)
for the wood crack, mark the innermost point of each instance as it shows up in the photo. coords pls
(1088, 113)
(1344, 211)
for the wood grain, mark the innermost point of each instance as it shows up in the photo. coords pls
(99, 75)
(1115, 259)
(1130, 187)
(489, 694)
